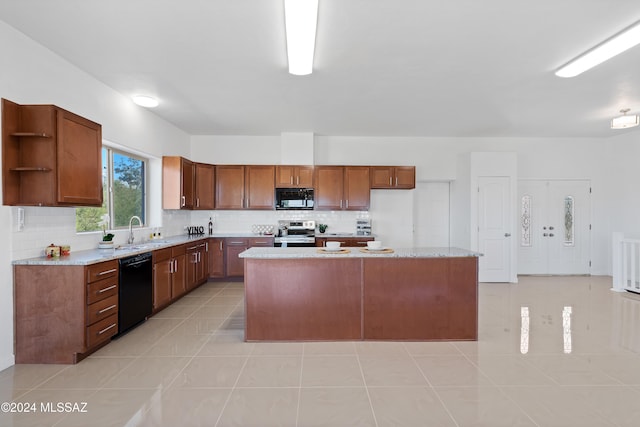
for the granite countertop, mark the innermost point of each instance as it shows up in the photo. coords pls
(284, 253)
(93, 256)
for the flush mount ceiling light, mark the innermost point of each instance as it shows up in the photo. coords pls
(625, 121)
(145, 101)
(617, 44)
(301, 18)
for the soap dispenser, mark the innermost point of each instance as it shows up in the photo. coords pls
(210, 227)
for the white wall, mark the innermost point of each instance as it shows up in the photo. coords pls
(31, 74)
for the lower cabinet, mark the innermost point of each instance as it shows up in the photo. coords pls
(64, 312)
(234, 246)
(216, 258)
(234, 264)
(197, 257)
(344, 241)
(169, 276)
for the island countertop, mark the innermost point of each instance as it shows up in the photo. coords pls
(355, 252)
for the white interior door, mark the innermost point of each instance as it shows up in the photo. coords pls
(494, 235)
(555, 227)
(431, 205)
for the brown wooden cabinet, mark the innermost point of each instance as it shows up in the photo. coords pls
(50, 157)
(229, 187)
(187, 185)
(197, 259)
(216, 258)
(64, 312)
(234, 264)
(346, 241)
(235, 246)
(260, 187)
(245, 187)
(391, 177)
(163, 266)
(204, 186)
(294, 176)
(169, 276)
(178, 183)
(342, 188)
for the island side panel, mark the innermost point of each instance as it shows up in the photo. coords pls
(49, 313)
(420, 298)
(303, 299)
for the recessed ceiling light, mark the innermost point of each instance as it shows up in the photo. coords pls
(145, 101)
(617, 44)
(301, 19)
(624, 121)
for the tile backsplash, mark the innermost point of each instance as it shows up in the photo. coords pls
(44, 225)
(242, 221)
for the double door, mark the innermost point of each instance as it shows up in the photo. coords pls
(554, 229)
(342, 188)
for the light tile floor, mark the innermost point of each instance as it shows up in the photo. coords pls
(553, 351)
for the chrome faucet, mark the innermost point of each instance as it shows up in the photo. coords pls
(131, 237)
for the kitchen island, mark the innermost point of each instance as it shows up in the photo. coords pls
(309, 294)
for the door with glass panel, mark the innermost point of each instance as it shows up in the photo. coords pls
(554, 235)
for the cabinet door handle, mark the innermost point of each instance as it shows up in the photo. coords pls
(291, 179)
(104, 310)
(396, 181)
(297, 180)
(197, 202)
(106, 289)
(113, 325)
(175, 270)
(220, 244)
(102, 273)
(171, 267)
(340, 204)
(183, 201)
(347, 203)
(206, 246)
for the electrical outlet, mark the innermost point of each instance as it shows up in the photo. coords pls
(20, 220)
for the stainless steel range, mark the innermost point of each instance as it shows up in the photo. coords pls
(296, 233)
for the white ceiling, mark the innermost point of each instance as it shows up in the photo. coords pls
(382, 67)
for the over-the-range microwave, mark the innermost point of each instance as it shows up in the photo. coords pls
(294, 198)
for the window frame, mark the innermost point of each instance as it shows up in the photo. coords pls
(109, 152)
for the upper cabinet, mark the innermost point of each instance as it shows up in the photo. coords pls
(205, 186)
(245, 187)
(187, 185)
(401, 177)
(294, 176)
(50, 157)
(178, 183)
(342, 188)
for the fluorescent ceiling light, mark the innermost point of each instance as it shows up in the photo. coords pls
(145, 101)
(617, 44)
(301, 18)
(625, 121)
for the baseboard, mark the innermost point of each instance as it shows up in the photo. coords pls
(7, 361)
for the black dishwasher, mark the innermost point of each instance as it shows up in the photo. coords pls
(135, 291)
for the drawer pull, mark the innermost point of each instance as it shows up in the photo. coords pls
(104, 310)
(191, 248)
(113, 325)
(106, 289)
(102, 273)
